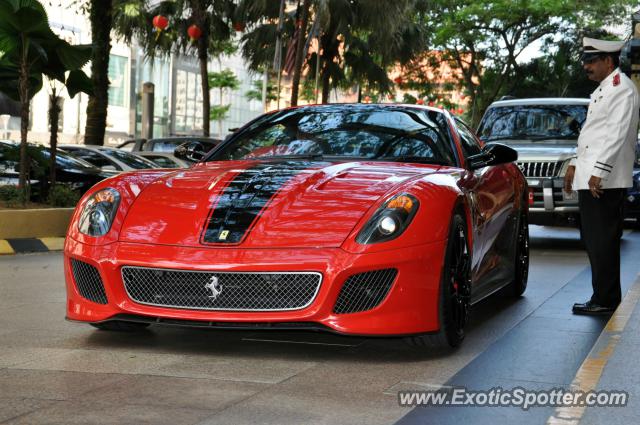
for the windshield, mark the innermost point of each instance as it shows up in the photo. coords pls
(538, 123)
(349, 132)
(65, 160)
(131, 160)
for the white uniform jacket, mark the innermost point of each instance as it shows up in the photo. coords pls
(607, 142)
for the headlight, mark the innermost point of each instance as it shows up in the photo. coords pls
(98, 213)
(390, 220)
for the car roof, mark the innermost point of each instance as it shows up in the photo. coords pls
(91, 147)
(541, 101)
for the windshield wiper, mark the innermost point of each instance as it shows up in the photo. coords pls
(316, 156)
(412, 158)
(556, 137)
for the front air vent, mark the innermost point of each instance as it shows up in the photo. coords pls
(364, 291)
(88, 281)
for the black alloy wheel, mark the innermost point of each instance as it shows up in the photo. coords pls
(521, 265)
(455, 293)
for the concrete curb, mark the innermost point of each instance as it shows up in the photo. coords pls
(24, 245)
(34, 223)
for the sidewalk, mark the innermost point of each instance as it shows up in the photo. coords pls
(25, 245)
(612, 365)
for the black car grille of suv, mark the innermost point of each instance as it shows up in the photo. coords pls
(213, 290)
(88, 281)
(364, 291)
(540, 168)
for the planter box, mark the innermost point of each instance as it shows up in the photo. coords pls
(34, 223)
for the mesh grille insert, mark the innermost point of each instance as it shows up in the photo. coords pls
(541, 168)
(364, 291)
(221, 290)
(88, 281)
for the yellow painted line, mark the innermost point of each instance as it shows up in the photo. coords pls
(5, 248)
(591, 369)
(54, 244)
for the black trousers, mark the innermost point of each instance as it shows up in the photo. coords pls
(601, 231)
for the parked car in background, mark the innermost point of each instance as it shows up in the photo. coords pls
(109, 158)
(74, 172)
(632, 201)
(167, 144)
(164, 159)
(545, 133)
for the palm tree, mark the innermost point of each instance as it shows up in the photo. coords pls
(211, 17)
(30, 50)
(101, 19)
(358, 39)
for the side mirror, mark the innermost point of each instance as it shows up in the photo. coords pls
(190, 151)
(492, 154)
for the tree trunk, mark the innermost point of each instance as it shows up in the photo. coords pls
(297, 70)
(200, 19)
(54, 115)
(204, 78)
(100, 15)
(24, 123)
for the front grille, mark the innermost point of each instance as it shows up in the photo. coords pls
(540, 168)
(204, 290)
(364, 291)
(88, 281)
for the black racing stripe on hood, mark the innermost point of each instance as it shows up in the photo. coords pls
(245, 197)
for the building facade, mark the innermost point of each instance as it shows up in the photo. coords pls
(177, 91)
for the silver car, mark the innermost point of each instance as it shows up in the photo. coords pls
(109, 158)
(545, 133)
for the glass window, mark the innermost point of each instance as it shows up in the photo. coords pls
(162, 161)
(545, 123)
(117, 80)
(385, 134)
(92, 157)
(133, 161)
(470, 145)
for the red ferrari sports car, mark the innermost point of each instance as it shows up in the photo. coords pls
(357, 219)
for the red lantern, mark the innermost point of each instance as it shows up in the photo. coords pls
(431, 103)
(460, 110)
(160, 22)
(367, 99)
(238, 26)
(194, 32)
(397, 80)
(420, 102)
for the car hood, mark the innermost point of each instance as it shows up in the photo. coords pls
(544, 151)
(255, 204)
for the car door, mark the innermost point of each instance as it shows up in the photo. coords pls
(490, 191)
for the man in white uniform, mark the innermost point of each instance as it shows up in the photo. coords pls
(603, 170)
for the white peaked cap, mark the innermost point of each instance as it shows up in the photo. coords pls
(593, 45)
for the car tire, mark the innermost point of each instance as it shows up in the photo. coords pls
(521, 259)
(120, 326)
(455, 291)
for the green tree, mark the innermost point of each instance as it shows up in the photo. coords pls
(484, 38)
(212, 18)
(29, 50)
(358, 39)
(558, 72)
(256, 91)
(224, 80)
